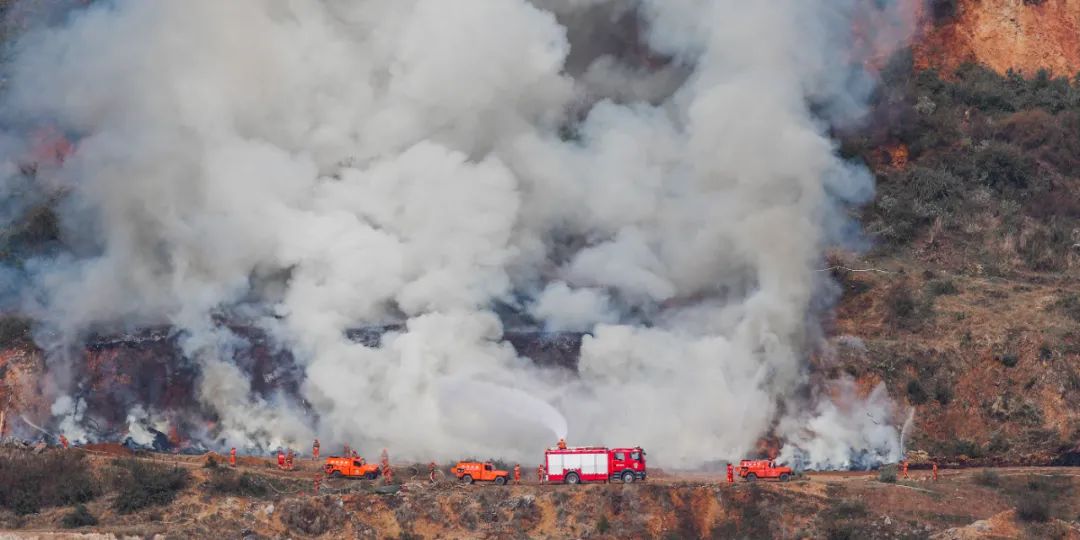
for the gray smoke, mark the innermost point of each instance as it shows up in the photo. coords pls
(314, 166)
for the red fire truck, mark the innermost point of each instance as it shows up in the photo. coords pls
(594, 464)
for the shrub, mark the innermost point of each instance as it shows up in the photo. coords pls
(142, 485)
(603, 525)
(943, 10)
(14, 330)
(1070, 306)
(1009, 360)
(988, 478)
(941, 287)
(1003, 166)
(226, 482)
(943, 393)
(79, 517)
(887, 474)
(964, 447)
(916, 394)
(30, 482)
(1033, 508)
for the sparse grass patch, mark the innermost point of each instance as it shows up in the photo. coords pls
(988, 478)
(79, 517)
(887, 474)
(227, 482)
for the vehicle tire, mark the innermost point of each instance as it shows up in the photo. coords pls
(572, 478)
(371, 475)
(751, 477)
(785, 477)
(466, 479)
(500, 480)
(628, 477)
(335, 474)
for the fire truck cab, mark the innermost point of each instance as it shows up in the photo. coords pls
(337, 467)
(595, 464)
(753, 469)
(472, 471)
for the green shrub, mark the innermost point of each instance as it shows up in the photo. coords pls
(141, 485)
(887, 474)
(964, 447)
(30, 482)
(943, 393)
(1003, 166)
(988, 478)
(79, 517)
(1070, 306)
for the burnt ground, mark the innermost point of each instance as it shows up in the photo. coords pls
(963, 503)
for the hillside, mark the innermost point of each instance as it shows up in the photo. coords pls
(1025, 35)
(124, 496)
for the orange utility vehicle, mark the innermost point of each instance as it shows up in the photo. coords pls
(752, 469)
(338, 467)
(474, 471)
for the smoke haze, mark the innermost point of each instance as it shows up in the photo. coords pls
(655, 173)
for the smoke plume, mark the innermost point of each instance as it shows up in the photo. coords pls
(657, 173)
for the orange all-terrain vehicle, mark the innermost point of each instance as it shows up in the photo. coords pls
(474, 471)
(338, 467)
(753, 469)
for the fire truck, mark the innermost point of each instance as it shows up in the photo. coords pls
(594, 464)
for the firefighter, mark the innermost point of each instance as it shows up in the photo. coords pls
(903, 468)
(289, 458)
(517, 473)
(562, 444)
(315, 451)
(63, 442)
(730, 474)
(431, 471)
(935, 470)
(232, 457)
(540, 474)
(280, 459)
(355, 454)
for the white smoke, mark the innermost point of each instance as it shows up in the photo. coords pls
(320, 165)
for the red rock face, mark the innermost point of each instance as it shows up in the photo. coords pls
(1025, 35)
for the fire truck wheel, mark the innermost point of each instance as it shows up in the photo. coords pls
(751, 477)
(628, 477)
(335, 474)
(500, 480)
(572, 478)
(784, 477)
(371, 475)
(466, 479)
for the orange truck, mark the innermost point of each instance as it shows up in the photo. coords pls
(347, 467)
(753, 469)
(474, 471)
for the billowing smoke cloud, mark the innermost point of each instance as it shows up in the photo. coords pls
(664, 181)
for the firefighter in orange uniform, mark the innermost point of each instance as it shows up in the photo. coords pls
(903, 468)
(431, 471)
(540, 474)
(289, 458)
(562, 444)
(935, 470)
(517, 473)
(387, 472)
(730, 474)
(315, 451)
(232, 457)
(280, 459)
(63, 442)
